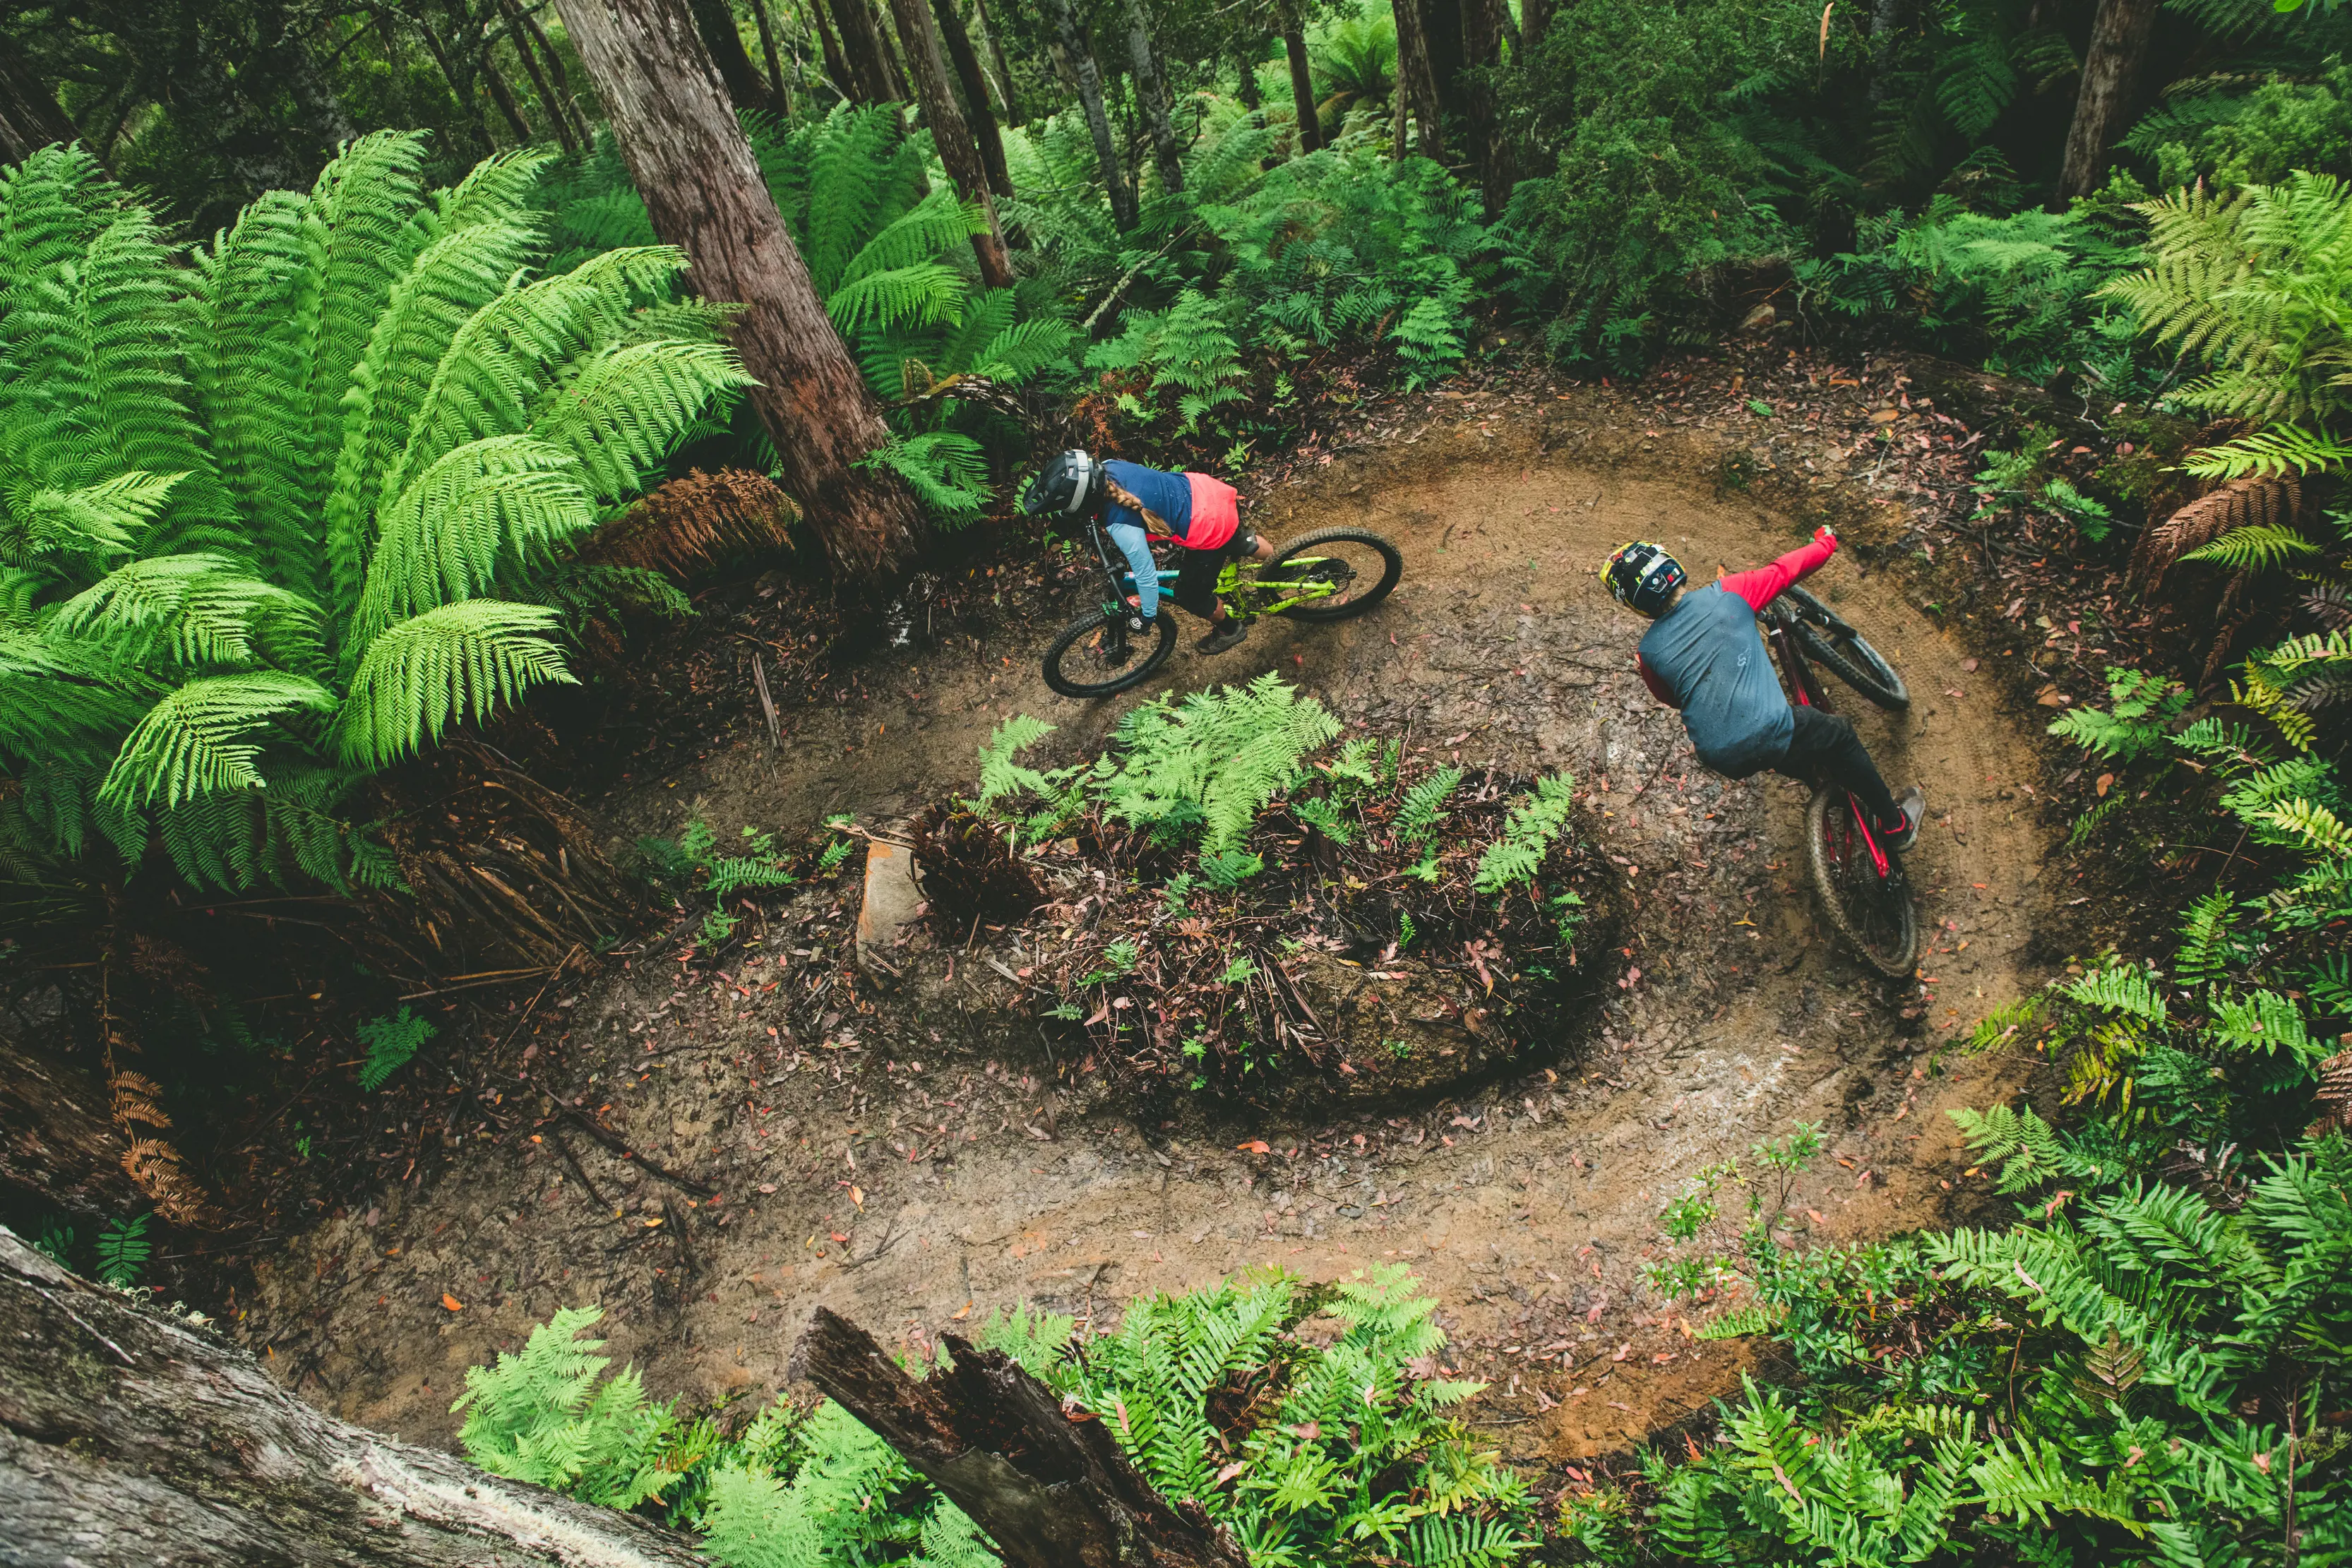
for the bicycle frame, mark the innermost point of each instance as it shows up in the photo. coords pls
(1121, 580)
(1805, 691)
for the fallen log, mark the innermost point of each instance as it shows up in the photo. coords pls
(131, 1439)
(1048, 1484)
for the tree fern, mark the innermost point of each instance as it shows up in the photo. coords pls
(1535, 821)
(450, 665)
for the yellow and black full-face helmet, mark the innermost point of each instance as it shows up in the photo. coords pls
(1643, 576)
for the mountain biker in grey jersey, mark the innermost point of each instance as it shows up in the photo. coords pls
(1703, 655)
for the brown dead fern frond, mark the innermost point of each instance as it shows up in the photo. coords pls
(691, 524)
(135, 1100)
(2247, 501)
(154, 1167)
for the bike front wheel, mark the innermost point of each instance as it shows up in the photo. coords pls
(1841, 650)
(1873, 912)
(1099, 653)
(1335, 574)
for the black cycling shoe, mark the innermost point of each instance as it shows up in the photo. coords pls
(1224, 636)
(1913, 803)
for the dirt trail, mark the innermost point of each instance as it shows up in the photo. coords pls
(1526, 1206)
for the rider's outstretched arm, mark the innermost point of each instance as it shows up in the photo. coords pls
(1137, 549)
(1758, 587)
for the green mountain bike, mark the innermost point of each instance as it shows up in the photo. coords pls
(1330, 574)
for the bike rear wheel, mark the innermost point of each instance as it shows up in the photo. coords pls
(1841, 650)
(1874, 913)
(1360, 567)
(1097, 655)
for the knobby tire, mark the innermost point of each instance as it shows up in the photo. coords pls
(1879, 916)
(1392, 569)
(1155, 642)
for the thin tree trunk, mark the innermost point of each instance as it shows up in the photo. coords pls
(690, 159)
(836, 64)
(1090, 98)
(1482, 55)
(128, 1438)
(715, 20)
(30, 118)
(1049, 1490)
(1151, 92)
(861, 41)
(981, 116)
(996, 53)
(1247, 88)
(901, 88)
(539, 83)
(1889, 18)
(503, 96)
(768, 52)
(951, 136)
(1416, 88)
(461, 86)
(1302, 90)
(2103, 108)
(582, 127)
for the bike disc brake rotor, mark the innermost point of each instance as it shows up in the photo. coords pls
(1102, 655)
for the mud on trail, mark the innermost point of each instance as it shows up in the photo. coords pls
(910, 1184)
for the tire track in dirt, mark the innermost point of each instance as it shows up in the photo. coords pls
(1527, 1204)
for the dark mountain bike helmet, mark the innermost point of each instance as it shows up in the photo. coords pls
(1643, 576)
(1071, 486)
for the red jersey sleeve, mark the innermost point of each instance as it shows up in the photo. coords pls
(1758, 587)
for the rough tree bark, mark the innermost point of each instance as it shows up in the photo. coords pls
(129, 1439)
(1151, 92)
(1416, 89)
(2103, 108)
(1889, 21)
(901, 88)
(58, 1143)
(950, 136)
(715, 20)
(503, 96)
(996, 52)
(1440, 45)
(979, 113)
(538, 82)
(861, 42)
(1050, 1492)
(1090, 96)
(1302, 88)
(689, 157)
(30, 118)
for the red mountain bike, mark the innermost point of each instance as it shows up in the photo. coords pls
(1862, 885)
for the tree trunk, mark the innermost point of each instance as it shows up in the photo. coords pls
(1247, 90)
(539, 83)
(1090, 98)
(503, 96)
(1003, 71)
(715, 20)
(836, 64)
(1302, 90)
(861, 41)
(1440, 45)
(129, 1439)
(767, 26)
(950, 136)
(1482, 55)
(1151, 92)
(59, 1145)
(690, 159)
(979, 116)
(901, 87)
(2110, 78)
(1889, 18)
(30, 118)
(1049, 1490)
(1416, 87)
(570, 104)
(1535, 21)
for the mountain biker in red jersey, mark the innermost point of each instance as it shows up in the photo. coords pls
(1703, 655)
(1138, 504)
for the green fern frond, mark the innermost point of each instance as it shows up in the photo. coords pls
(452, 664)
(193, 742)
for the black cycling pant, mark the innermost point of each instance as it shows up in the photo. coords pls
(1197, 571)
(1825, 750)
